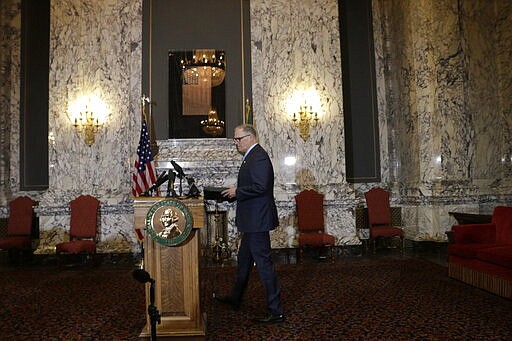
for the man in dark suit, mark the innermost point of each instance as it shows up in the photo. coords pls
(256, 215)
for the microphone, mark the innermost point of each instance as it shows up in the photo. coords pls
(142, 276)
(159, 181)
(170, 185)
(178, 169)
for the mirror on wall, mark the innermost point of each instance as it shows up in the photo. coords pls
(197, 93)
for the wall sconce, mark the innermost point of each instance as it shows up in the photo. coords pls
(306, 118)
(88, 124)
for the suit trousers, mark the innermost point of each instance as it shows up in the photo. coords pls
(255, 248)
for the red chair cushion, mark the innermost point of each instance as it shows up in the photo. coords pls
(502, 218)
(386, 231)
(16, 242)
(316, 239)
(474, 233)
(468, 250)
(76, 246)
(499, 255)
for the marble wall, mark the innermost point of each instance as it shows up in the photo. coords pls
(444, 96)
(10, 21)
(441, 96)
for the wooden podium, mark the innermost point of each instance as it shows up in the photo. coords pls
(175, 270)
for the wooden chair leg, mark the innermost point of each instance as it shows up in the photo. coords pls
(331, 253)
(299, 255)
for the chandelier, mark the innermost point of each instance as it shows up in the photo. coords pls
(213, 126)
(204, 66)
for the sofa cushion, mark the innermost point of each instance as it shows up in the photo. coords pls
(499, 255)
(468, 250)
(502, 218)
(474, 233)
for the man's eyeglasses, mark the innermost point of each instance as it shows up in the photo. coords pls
(238, 139)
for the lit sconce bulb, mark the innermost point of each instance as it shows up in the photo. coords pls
(51, 138)
(305, 119)
(89, 119)
(290, 160)
(302, 107)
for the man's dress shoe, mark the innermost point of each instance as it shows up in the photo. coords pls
(270, 319)
(228, 301)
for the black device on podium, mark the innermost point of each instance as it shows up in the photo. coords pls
(214, 193)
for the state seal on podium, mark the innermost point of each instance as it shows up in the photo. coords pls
(169, 222)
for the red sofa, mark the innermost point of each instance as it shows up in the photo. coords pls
(481, 254)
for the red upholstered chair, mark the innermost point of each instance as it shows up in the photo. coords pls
(19, 225)
(310, 222)
(83, 227)
(379, 217)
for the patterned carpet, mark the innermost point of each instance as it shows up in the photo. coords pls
(352, 299)
(80, 304)
(365, 299)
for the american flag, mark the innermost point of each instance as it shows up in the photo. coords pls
(145, 174)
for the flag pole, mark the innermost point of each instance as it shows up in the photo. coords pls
(150, 124)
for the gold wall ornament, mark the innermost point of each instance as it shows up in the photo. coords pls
(88, 124)
(305, 119)
(169, 222)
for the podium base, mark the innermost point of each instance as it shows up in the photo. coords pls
(169, 334)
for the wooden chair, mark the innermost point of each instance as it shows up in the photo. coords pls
(19, 226)
(379, 217)
(310, 223)
(83, 227)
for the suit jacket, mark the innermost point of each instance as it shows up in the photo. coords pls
(256, 208)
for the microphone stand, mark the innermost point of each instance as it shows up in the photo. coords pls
(181, 187)
(154, 314)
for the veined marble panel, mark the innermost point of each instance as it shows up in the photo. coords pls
(296, 43)
(445, 127)
(429, 222)
(487, 29)
(211, 162)
(10, 23)
(95, 53)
